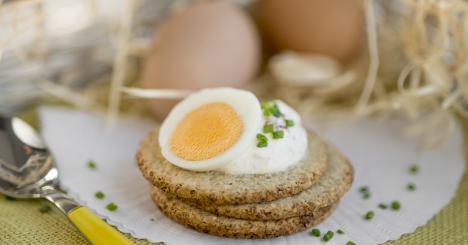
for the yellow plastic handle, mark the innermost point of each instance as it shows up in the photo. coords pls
(95, 229)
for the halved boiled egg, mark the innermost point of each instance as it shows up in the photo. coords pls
(211, 128)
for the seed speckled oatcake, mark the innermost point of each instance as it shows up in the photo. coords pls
(327, 191)
(208, 188)
(206, 222)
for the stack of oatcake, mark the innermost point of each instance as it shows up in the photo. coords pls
(251, 205)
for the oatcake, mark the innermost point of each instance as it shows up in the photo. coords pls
(206, 222)
(327, 191)
(208, 188)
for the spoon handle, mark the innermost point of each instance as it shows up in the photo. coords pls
(91, 226)
(95, 229)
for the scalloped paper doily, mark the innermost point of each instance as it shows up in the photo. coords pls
(380, 154)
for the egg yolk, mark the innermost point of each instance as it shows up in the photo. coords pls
(206, 132)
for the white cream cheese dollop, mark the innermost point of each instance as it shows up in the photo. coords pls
(279, 155)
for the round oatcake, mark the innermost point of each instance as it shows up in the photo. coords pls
(218, 188)
(328, 190)
(206, 222)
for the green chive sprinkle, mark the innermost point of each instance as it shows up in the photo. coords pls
(383, 206)
(262, 137)
(411, 187)
(366, 195)
(262, 141)
(275, 111)
(396, 205)
(350, 243)
(413, 169)
(268, 128)
(315, 232)
(278, 134)
(364, 189)
(111, 206)
(289, 123)
(327, 236)
(369, 215)
(340, 231)
(9, 198)
(44, 209)
(91, 164)
(99, 195)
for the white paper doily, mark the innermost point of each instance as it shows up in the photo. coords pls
(380, 155)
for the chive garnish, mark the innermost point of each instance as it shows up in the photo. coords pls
(340, 231)
(395, 205)
(366, 195)
(268, 128)
(278, 134)
(383, 206)
(327, 236)
(369, 215)
(315, 232)
(350, 243)
(289, 123)
(411, 187)
(413, 169)
(44, 209)
(99, 195)
(262, 137)
(364, 189)
(91, 164)
(275, 111)
(262, 140)
(111, 206)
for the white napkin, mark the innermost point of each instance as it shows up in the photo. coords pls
(380, 155)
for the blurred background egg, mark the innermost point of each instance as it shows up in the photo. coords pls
(208, 44)
(329, 27)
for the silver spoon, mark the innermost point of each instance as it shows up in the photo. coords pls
(27, 170)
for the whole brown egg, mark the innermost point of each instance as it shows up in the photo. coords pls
(329, 27)
(208, 44)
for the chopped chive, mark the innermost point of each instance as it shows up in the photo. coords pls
(364, 189)
(268, 128)
(366, 195)
(262, 141)
(9, 198)
(327, 236)
(411, 187)
(111, 206)
(91, 164)
(369, 215)
(278, 134)
(395, 205)
(289, 123)
(275, 111)
(44, 209)
(340, 231)
(350, 243)
(315, 232)
(261, 137)
(413, 169)
(383, 206)
(99, 195)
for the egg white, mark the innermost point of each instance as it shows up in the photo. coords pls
(244, 103)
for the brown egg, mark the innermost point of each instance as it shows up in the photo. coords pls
(330, 27)
(209, 44)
